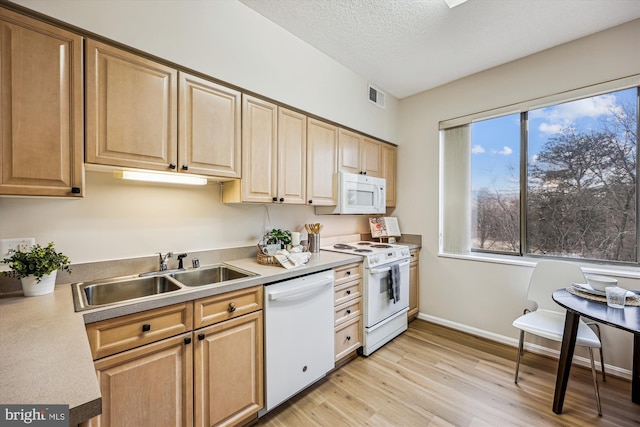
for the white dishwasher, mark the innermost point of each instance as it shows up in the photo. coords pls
(298, 324)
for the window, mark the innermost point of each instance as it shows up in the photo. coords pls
(558, 180)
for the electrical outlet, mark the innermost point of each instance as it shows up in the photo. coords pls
(19, 243)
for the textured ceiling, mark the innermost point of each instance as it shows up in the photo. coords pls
(408, 46)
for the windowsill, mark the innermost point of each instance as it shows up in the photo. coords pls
(587, 267)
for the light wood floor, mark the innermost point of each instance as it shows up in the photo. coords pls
(434, 376)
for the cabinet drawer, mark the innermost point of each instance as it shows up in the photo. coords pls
(415, 255)
(112, 336)
(347, 311)
(346, 273)
(348, 337)
(218, 308)
(347, 291)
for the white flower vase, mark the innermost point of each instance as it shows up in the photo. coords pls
(32, 289)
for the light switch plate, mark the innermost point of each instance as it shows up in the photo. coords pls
(19, 243)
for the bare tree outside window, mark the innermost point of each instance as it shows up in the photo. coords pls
(581, 189)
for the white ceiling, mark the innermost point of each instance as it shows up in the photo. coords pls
(408, 46)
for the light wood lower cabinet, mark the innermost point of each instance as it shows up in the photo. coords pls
(347, 311)
(414, 285)
(229, 371)
(147, 386)
(152, 373)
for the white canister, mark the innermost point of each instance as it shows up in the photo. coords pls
(295, 238)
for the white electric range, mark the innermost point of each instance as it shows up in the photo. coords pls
(385, 289)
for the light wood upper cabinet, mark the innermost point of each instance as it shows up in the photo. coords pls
(292, 157)
(209, 128)
(131, 109)
(389, 171)
(358, 154)
(273, 155)
(41, 110)
(322, 158)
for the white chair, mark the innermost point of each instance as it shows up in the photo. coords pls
(547, 320)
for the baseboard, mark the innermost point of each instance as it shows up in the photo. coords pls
(533, 348)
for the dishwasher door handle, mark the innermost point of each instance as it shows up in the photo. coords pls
(298, 291)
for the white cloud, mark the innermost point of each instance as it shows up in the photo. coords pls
(506, 151)
(564, 115)
(477, 149)
(534, 159)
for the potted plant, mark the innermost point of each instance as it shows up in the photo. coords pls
(37, 268)
(275, 239)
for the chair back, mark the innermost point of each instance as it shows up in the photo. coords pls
(551, 275)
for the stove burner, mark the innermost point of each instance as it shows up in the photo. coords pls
(364, 243)
(363, 250)
(343, 246)
(382, 246)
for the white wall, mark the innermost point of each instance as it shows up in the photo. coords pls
(481, 295)
(229, 41)
(226, 40)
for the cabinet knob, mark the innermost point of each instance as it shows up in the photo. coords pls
(75, 190)
(310, 202)
(348, 292)
(348, 273)
(185, 167)
(275, 199)
(146, 327)
(200, 337)
(172, 165)
(187, 340)
(281, 199)
(232, 307)
(348, 337)
(348, 311)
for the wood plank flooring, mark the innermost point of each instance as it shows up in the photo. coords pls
(437, 377)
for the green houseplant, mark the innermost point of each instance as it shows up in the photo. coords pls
(37, 268)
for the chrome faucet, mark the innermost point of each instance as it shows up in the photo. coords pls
(163, 260)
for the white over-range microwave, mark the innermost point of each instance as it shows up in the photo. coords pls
(358, 194)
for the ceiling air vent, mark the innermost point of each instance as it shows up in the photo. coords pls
(376, 96)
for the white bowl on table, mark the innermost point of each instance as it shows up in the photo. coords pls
(599, 283)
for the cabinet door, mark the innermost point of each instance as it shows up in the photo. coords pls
(389, 159)
(41, 108)
(322, 157)
(259, 150)
(370, 157)
(414, 285)
(209, 128)
(147, 386)
(131, 110)
(229, 371)
(292, 157)
(349, 151)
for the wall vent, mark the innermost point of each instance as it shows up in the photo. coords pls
(376, 96)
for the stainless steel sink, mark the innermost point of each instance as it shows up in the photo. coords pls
(104, 292)
(209, 275)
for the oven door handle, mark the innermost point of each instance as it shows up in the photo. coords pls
(384, 270)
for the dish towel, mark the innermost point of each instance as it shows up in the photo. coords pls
(393, 283)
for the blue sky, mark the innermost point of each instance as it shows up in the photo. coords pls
(495, 146)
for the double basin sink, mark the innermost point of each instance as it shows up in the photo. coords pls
(94, 294)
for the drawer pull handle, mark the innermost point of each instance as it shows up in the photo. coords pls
(200, 337)
(187, 340)
(232, 307)
(348, 273)
(348, 292)
(348, 337)
(348, 311)
(146, 327)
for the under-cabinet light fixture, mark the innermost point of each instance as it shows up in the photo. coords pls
(454, 3)
(169, 178)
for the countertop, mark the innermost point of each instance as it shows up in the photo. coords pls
(44, 348)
